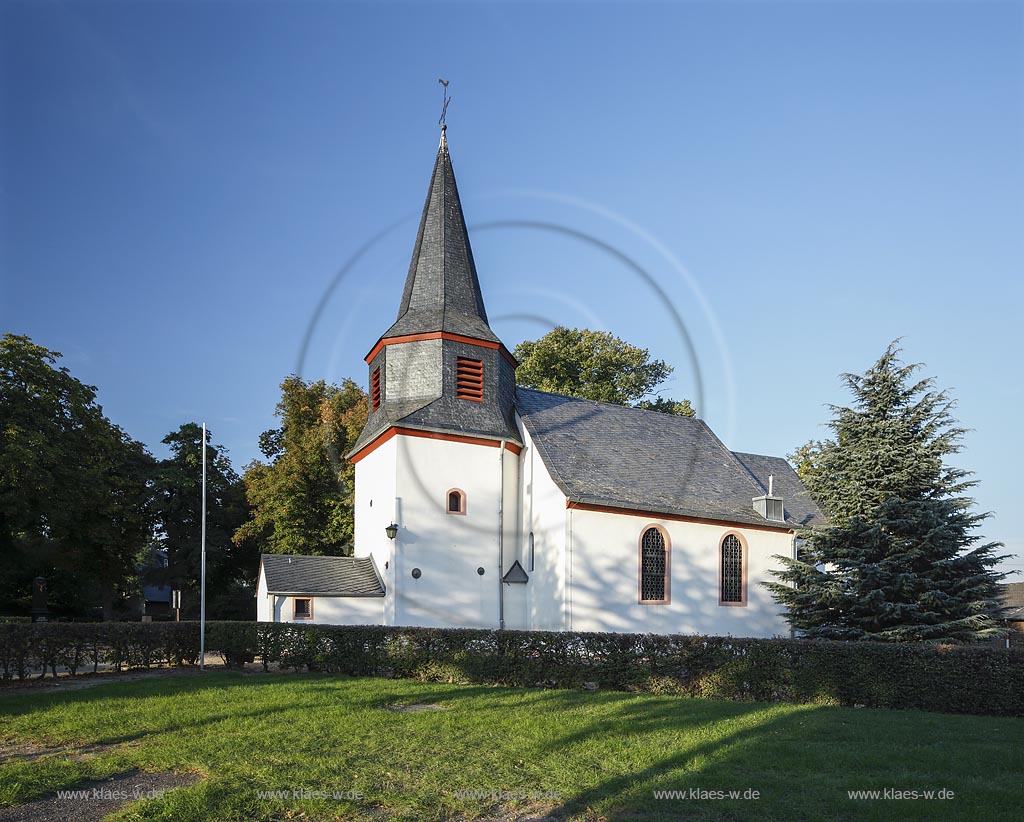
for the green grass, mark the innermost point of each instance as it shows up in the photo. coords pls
(603, 753)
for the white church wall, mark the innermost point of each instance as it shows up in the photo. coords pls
(448, 548)
(604, 558)
(513, 595)
(543, 515)
(375, 509)
(263, 605)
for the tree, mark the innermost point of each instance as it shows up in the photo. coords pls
(666, 406)
(302, 499)
(899, 559)
(230, 567)
(595, 365)
(805, 460)
(74, 488)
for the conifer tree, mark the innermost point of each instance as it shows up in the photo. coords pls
(899, 559)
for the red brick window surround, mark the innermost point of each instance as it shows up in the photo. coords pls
(302, 608)
(469, 379)
(654, 561)
(732, 571)
(375, 388)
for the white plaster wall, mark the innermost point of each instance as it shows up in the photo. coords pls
(375, 509)
(543, 513)
(448, 548)
(334, 610)
(263, 606)
(603, 554)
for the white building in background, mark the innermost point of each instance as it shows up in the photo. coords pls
(482, 505)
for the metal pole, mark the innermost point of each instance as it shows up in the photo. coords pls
(202, 569)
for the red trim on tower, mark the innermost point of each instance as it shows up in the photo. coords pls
(442, 335)
(366, 450)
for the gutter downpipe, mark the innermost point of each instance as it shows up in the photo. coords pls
(501, 536)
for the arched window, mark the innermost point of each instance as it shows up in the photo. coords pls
(456, 502)
(654, 566)
(732, 571)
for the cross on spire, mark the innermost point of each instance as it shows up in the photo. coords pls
(445, 100)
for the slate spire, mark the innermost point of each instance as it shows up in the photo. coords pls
(442, 290)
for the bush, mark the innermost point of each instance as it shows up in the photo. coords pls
(956, 679)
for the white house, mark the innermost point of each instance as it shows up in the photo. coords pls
(478, 504)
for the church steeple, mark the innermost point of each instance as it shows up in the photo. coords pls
(440, 369)
(442, 290)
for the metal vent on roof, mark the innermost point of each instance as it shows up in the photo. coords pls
(771, 508)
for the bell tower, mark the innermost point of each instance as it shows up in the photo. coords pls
(438, 456)
(440, 367)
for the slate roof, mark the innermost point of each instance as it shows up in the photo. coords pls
(442, 290)
(321, 576)
(799, 506)
(1012, 596)
(611, 455)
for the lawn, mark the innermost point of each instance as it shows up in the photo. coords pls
(579, 755)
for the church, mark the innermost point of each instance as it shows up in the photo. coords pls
(479, 504)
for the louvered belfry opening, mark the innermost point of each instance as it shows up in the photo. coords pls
(653, 564)
(732, 569)
(375, 388)
(469, 379)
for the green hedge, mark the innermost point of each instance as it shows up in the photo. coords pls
(953, 679)
(35, 649)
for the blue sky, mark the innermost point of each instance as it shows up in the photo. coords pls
(800, 183)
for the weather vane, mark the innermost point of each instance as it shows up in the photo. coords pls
(445, 99)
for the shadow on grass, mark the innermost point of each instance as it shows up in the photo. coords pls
(605, 752)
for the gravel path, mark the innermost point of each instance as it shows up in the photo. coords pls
(94, 800)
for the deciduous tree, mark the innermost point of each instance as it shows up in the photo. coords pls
(302, 497)
(230, 567)
(595, 365)
(74, 488)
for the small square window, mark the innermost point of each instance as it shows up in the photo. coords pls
(303, 608)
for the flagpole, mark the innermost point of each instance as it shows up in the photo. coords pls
(202, 569)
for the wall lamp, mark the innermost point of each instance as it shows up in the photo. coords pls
(391, 531)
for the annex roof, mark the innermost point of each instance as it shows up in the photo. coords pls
(289, 574)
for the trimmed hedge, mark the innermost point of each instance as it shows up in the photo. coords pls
(35, 648)
(952, 679)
